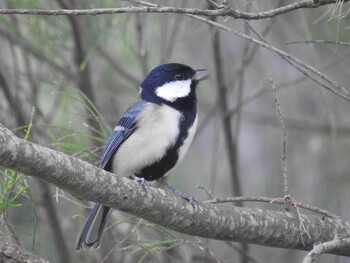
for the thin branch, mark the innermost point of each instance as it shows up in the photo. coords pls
(213, 3)
(319, 41)
(269, 200)
(284, 142)
(250, 225)
(285, 84)
(327, 247)
(295, 62)
(225, 11)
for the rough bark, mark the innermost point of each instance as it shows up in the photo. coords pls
(85, 181)
(15, 254)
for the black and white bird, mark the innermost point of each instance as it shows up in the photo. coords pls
(151, 138)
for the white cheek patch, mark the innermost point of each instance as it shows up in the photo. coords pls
(173, 90)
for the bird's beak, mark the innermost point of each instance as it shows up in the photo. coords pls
(201, 74)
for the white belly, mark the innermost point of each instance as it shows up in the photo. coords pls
(157, 130)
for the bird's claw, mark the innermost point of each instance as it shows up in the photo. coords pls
(192, 201)
(189, 199)
(142, 181)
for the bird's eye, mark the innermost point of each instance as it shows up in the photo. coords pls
(179, 77)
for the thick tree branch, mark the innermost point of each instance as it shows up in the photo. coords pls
(251, 225)
(224, 11)
(16, 254)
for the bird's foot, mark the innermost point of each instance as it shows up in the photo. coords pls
(189, 199)
(142, 181)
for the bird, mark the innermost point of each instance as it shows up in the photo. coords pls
(150, 139)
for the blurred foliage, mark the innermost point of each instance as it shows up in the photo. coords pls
(14, 185)
(9, 196)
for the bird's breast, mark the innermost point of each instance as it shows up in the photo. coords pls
(157, 129)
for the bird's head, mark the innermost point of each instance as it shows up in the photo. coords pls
(173, 84)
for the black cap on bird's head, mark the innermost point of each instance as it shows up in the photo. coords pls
(171, 83)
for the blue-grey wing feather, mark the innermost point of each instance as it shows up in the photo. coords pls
(128, 122)
(92, 231)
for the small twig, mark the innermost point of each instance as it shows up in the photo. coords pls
(213, 3)
(269, 200)
(295, 62)
(226, 11)
(326, 247)
(319, 41)
(283, 85)
(302, 228)
(284, 143)
(203, 246)
(288, 200)
(206, 191)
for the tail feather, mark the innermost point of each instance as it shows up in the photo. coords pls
(93, 229)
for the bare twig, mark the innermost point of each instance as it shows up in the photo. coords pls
(301, 66)
(284, 143)
(164, 9)
(295, 62)
(269, 200)
(290, 201)
(286, 84)
(213, 3)
(319, 41)
(326, 247)
(287, 198)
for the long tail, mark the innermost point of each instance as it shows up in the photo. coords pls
(92, 231)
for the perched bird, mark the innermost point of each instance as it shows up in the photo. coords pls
(151, 138)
